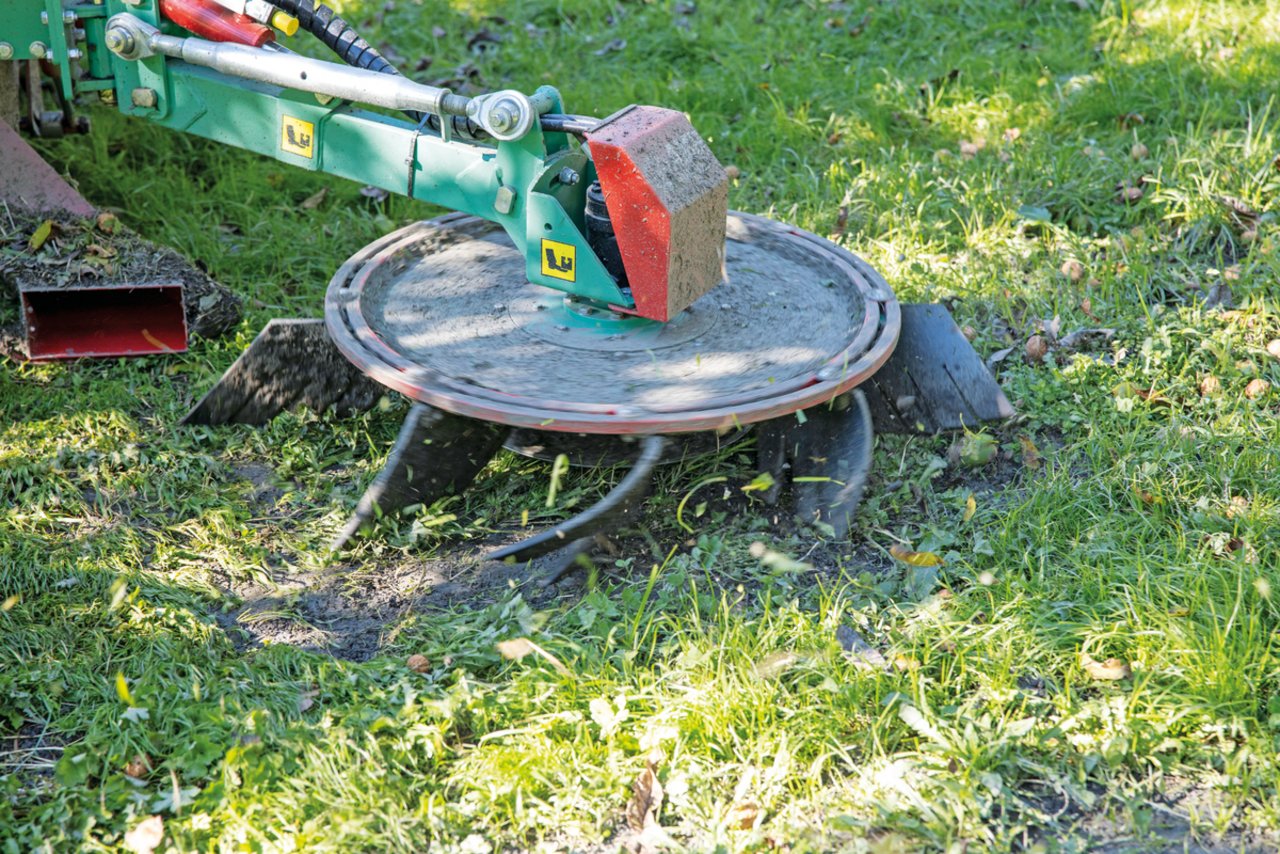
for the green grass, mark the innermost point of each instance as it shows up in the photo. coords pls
(967, 150)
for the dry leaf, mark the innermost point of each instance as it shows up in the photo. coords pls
(1273, 348)
(40, 235)
(1129, 120)
(905, 663)
(968, 332)
(145, 836)
(107, 223)
(1086, 306)
(646, 799)
(914, 558)
(1073, 269)
(421, 664)
(314, 200)
(517, 648)
(1012, 134)
(1210, 385)
(862, 654)
(1030, 453)
(1256, 388)
(732, 172)
(970, 508)
(1111, 670)
(743, 816)
(1139, 151)
(138, 767)
(1036, 349)
(969, 150)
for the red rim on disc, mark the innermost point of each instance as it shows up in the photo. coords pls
(441, 311)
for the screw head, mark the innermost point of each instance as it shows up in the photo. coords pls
(569, 176)
(38, 50)
(6, 50)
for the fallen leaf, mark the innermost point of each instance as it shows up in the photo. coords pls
(1241, 212)
(1030, 453)
(314, 200)
(122, 690)
(1012, 134)
(914, 558)
(968, 332)
(1126, 194)
(861, 653)
(1111, 670)
(138, 767)
(1273, 348)
(1073, 269)
(1210, 385)
(107, 223)
(517, 648)
(145, 836)
(420, 663)
(1128, 120)
(743, 816)
(41, 235)
(905, 663)
(1139, 151)
(1256, 388)
(969, 150)
(646, 799)
(732, 172)
(1036, 349)
(1086, 306)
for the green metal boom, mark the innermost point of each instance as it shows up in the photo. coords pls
(533, 186)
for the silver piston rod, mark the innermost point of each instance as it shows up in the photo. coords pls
(505, 115)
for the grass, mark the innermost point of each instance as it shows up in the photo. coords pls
(969, 151)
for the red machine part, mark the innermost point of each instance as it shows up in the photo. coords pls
(208, 20)
(121, 320)
(667, 197)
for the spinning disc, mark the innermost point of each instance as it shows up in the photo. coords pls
(441, 312)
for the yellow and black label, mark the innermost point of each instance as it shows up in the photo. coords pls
(559, 260)
(298, 137)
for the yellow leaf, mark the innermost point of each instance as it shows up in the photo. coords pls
(40, 235)
(122, 690)
(1111, 670)
(970, 508)
(914, 558)
(7, 604)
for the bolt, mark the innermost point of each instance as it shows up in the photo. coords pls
(144, 97)
(74, 53)
(569, 176)
(6, 50)
(502, 120)
(38, 50)
(119, 40)
(68, 17)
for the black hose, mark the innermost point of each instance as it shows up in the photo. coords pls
(319, 20)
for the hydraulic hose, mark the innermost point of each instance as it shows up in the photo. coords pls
(339, 36)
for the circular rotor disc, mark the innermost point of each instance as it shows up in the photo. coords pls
(441, 311)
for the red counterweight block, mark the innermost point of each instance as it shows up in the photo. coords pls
(208, 20)
(668, 198)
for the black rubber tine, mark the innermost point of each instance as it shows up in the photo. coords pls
(602, 517)
(435, 454)
(830, 459)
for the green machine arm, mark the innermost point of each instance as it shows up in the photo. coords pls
(503, 156)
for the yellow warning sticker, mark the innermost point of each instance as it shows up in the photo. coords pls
(558, 260)
(297, 137)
